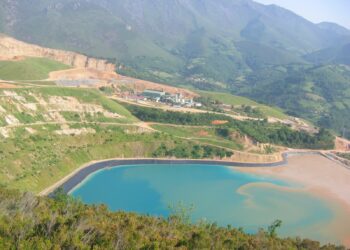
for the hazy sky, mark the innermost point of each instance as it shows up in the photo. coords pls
(337, 11)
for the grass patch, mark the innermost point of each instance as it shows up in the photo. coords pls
(344, 155)
(90, 96)
(201, 135)
(33, 162)
(239, 101)
(29, 69)
(41, 83)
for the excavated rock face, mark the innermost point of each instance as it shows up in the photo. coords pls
(12, 48)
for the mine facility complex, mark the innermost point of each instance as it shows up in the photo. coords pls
(160, 96)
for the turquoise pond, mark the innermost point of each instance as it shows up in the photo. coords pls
(219, 194)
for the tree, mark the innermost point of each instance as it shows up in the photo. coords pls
(273, 228)
(182, 212)
(223, 132)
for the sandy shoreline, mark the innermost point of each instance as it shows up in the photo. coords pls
(321, 177)
(315, 172)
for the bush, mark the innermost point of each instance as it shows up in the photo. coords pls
(260, 131)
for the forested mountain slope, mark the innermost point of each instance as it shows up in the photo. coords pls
(199, 34)
(240, 46)
(335, 55)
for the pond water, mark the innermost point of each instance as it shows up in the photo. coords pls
(218, 194)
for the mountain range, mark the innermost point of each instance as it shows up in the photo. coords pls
(264, 52)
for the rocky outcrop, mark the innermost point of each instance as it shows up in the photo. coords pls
(12, 48)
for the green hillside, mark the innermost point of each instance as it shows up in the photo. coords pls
(259, 53)
(47, 132)
(90, 96)
(259, 130)
(239, 47)
(239, 101)
(334, 55)
(318, 93)
(29, 69)
(230, 51)
(198, 39)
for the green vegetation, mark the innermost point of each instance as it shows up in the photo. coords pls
(339, 54)
(87, 96)
(84, 96)
(179, 118)
(272, 229)
(320, 94)
(261, 58)
(47, 142)
(260, 131)
(255, 53)
(29, 69)
(282, 135)
(234, 100)
(37, 155)
(33, 162)
(30, 222)
(194, 152)
(344, 155)
(201, 135)
(201, 49)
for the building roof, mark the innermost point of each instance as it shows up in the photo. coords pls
(151, 91)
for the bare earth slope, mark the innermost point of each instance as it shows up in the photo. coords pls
(11, 48)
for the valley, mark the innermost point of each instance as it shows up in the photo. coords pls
(47, 108)
(153, 124)
(255, 53)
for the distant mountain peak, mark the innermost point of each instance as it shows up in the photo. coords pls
(334, 27)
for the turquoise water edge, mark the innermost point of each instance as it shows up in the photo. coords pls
(219, 194)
